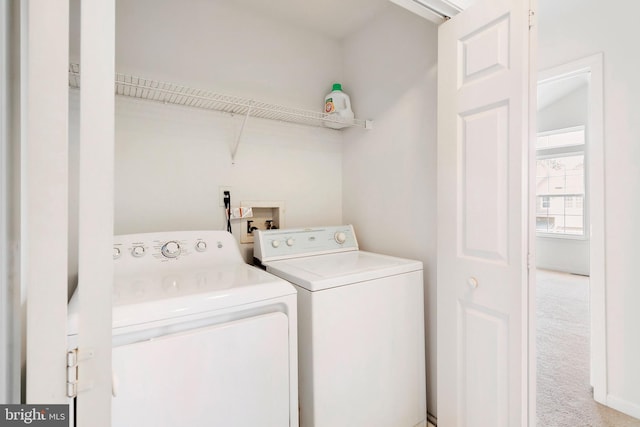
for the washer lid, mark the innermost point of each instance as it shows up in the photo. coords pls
(143, 298)
(319, 272)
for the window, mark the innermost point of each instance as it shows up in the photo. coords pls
(545, 202)
(560, 183)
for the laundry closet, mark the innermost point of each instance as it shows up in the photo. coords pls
(172, 161)
(86, 164)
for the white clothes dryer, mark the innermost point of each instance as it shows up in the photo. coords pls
(360, 328)
(200, 338)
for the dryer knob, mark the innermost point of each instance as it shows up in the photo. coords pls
(275, 243)
(290, 241)
(201, 246)
(116, 253)
(138, 251)
(340, 237)
(171, 249)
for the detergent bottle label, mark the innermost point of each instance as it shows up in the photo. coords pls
(329, 107)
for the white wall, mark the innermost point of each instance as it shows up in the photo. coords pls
(553, 253)
(574, 29)
(221, 45)
(559, 254)
(170, 160)
(389, 172)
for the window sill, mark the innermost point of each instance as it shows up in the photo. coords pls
(560, 236)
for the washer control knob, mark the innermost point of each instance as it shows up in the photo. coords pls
(290, 241)
(116, 253)
(340, 237)
(201, 246)
(275, 243)
(138, 251)
(171, 249)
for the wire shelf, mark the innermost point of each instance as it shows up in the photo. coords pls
(170, 93)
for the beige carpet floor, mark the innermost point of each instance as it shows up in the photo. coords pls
(564, 395)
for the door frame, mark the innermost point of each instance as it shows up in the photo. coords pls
(44, 137)
(95, 212)
(593, 65)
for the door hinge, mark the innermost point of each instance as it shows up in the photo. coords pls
(72, 373)
(532, 18)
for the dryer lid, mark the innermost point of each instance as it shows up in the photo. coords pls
(319, 272)
(149, 297)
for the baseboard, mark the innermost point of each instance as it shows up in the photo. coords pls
(623, 406)
(424, 423)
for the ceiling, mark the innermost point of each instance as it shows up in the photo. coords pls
(339, 18)
(550, 92)
(333, 18)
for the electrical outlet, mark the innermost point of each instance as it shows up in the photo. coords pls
(221, 190)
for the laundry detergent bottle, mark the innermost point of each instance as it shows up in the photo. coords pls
(337, 106)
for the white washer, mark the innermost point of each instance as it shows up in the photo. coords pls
(360, 328)
(200, 338)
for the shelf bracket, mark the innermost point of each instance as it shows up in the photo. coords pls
(237, 144)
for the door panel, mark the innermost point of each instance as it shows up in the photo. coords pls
(484, 192)
(483, 399)
(483, 121)
(485, 50)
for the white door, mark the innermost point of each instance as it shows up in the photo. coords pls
(483, 131)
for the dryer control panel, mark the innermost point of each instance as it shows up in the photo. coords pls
(154, 252)
(272, 245)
